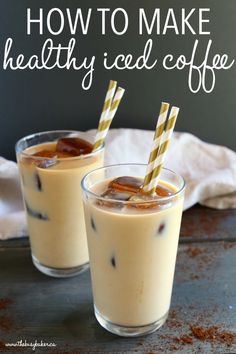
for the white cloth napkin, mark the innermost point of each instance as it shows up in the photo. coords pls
(209, 171)
(12, 215)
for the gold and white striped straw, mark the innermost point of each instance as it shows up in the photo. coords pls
(106, 106)
(161, 121)
(110, 107)
(158, 162)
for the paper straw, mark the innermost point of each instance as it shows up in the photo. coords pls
(107, 103)
(104, 124)
(156, 140)
(150, 187)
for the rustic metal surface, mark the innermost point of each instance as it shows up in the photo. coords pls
(200, 223)
(61, 311)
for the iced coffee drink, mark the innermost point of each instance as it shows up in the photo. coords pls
(52, 165)
(132, 240)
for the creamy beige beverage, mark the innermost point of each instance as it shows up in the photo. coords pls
(51, 179)
(132, 247)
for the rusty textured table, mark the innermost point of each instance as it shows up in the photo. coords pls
(60, 311)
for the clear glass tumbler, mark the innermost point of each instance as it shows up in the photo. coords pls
(132, 250)
(53, 202)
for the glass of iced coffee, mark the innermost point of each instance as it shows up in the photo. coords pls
(51, 166)
(132, 242)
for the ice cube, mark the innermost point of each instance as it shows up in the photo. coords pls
(45, 153)
(163, 191)
(113, 194)
(126, 184)
(116, 197)
(113, 261)
(161, 228)
(93, 224)
(74, 146)
(122, 189)
(35, 214)
(143, 201)
(46, 163)
(38, 182)
(50, 158)
(128, 188)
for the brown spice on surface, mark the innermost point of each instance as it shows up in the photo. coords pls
(204, 332)
(140, 343)
(194, 277)
(185, 339)
(173, 347)
(194, 251)
(228, 245)
(173, 321)
(4, 303)
(213, 334)
(6, 323)
(75, 352)
(2, 346)
(195, 260)
(200, 223)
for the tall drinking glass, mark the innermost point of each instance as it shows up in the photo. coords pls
(132, 248)
(53, 202)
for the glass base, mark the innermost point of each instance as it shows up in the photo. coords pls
(59, 272)
(126, 331)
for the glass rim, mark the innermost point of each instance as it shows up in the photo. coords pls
(112, 200)
(41, 158)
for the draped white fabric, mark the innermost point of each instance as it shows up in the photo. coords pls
(209, 171)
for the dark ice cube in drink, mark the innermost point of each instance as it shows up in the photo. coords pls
(163, 191)
(120, 189)
(45, 153)
(51, 154)
(50, 158)
(126, 184)
(113, 194)
(129, 189)
(143, 201)
(114, 198)
(74, 146)
(41, 159)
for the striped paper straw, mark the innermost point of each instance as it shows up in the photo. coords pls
(156, 141)
(104, 125)
(107, 104)
(164, 144)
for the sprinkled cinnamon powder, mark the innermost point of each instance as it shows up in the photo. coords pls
(6, 323)
(228, 245)
(2, 346)
(194, 251)
(213, 334)
(4, 303)
(173, 321)
(195, 276)
(77, 352)
(185, 339)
